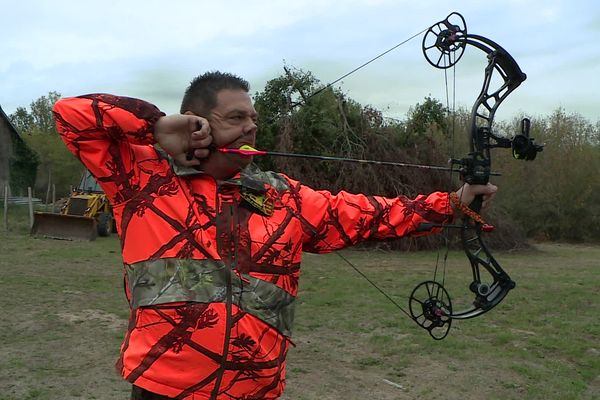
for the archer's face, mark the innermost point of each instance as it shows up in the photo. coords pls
(233, 124)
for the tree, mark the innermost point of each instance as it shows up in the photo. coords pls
(557, 196)
(299, 114)
(57, 165)
(426, 117)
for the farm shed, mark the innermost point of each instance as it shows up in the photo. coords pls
(18, 163)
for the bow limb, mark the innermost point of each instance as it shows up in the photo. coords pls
(490, 290)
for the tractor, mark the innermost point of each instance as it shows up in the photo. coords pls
(86, 214)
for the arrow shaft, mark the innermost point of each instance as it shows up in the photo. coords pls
(356, 160)
(254, 152)
(330, 158)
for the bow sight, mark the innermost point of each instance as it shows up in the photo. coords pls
(523, 146)
(475, 168)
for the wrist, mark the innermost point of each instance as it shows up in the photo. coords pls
(459, 206)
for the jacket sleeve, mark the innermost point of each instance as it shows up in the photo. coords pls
(109, 134)
(334, 221)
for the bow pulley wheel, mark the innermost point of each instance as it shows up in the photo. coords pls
(431, 308)
(443, 43)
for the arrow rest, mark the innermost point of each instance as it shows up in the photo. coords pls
(474, 169)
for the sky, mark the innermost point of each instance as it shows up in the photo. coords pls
(151, 49)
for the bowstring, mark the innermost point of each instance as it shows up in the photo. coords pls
(383, 292)
(451, 107)
(329, 85)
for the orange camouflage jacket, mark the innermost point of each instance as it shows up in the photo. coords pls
(210, 276)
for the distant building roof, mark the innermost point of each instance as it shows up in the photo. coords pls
(10, 125)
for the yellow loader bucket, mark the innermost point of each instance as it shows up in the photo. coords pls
(61, 226)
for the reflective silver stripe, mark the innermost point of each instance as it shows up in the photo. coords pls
(204, 281)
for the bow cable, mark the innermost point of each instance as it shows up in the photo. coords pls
(329, 85)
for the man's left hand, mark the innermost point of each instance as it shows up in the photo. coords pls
(467, 193)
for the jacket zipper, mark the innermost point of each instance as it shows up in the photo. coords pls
(227, 212)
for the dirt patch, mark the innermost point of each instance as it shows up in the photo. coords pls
(98, 318)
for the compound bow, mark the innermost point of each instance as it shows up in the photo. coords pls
(443, 45)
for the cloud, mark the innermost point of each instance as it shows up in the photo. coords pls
(153, 48)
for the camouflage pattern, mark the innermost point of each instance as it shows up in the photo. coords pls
(212, 267)
(205, 281)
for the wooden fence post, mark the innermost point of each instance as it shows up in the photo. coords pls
(30, 196)
(6, 208)
(48, 188)
(53, 198)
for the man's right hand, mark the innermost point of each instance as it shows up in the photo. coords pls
(183, 134)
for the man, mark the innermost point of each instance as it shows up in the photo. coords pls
(211, 245)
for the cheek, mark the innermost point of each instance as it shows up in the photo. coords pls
(218, 131)
(223, 137)
(217, 135)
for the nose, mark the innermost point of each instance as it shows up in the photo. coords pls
(250, 127)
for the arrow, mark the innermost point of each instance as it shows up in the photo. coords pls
(250, 151)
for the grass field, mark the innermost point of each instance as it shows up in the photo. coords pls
(64, 316)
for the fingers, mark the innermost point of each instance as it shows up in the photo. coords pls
(488, 190)
(200, 139)
(487, 200)
(467, 193)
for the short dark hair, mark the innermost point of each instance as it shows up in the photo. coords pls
(201, 95)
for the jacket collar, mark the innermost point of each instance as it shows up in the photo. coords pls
(250, 178)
